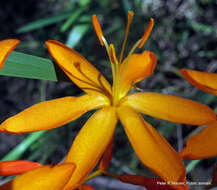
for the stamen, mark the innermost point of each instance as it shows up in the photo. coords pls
(147, 33)
(113, 54)
(97, 29)
(129, 21)
(116, 72)
(109, 55)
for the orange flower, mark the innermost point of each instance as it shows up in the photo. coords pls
(202, 145)
(41, 178)
(113, 104)
(149, 183)
(6, 47)
(9, 168)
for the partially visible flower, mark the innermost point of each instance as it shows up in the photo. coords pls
(106, 158)
(202, 145)
(9, 168)
(149, 183)
(42, 178)
(214, 176)
(85, 187)
(6, 47)
(114, 103)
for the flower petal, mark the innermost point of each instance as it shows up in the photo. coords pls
(107, 156)
(46, 177)
(151, 148)
(86, 187)
(78, 69)
(6, 47)
(202, 145)
(139, 67)
(171, 108)
(203, 80)
(90, 144)
(149, 183)
(52, 114)
(9, 168)
(214, 177)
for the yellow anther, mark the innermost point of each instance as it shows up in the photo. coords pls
(146, 33)
(97, 29)
(113, 54)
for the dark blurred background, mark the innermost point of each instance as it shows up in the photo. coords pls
(184, 36)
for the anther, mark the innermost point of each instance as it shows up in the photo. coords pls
(146, 33)
(97, 29)
(129, 21)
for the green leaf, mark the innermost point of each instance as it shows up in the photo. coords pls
(44, 22)
(71, 19)
(192, 165)
(84, 3)
(28, 66)
(204, 28)
(18, 151)
(76, 34)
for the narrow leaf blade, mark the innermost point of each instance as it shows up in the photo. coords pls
(28, 66)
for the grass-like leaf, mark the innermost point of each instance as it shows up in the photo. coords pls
(28, 66)
(44, 22)
(76, 34)
(18, 151)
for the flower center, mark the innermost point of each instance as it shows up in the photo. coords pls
(117, 68)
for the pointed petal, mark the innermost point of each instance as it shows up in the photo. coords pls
(214, 176)
(46, 177)
(6, 47)
(202, 145)
(203, 80)
(151, 148)
(90, 144)
(78, 69)
(52, 114)
(86, 187)
(9, 168)
(171, 108)
(149, 183)
(139, 67)
(107, 157)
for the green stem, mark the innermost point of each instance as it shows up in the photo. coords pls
(93, 175)
(17, 152)
(192, 165)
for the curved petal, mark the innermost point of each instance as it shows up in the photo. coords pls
(171, 108)
(90, 144)
(46, 177)
(139, 67)
(52, 114)
(107, 157)
(9, 168)
(149, 183)
(203, 80)
(151, 148)
(78, 69)
(86, 187)
(6, 47)
(202, 145)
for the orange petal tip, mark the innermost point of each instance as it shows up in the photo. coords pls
(7, 46)
(9, 168)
